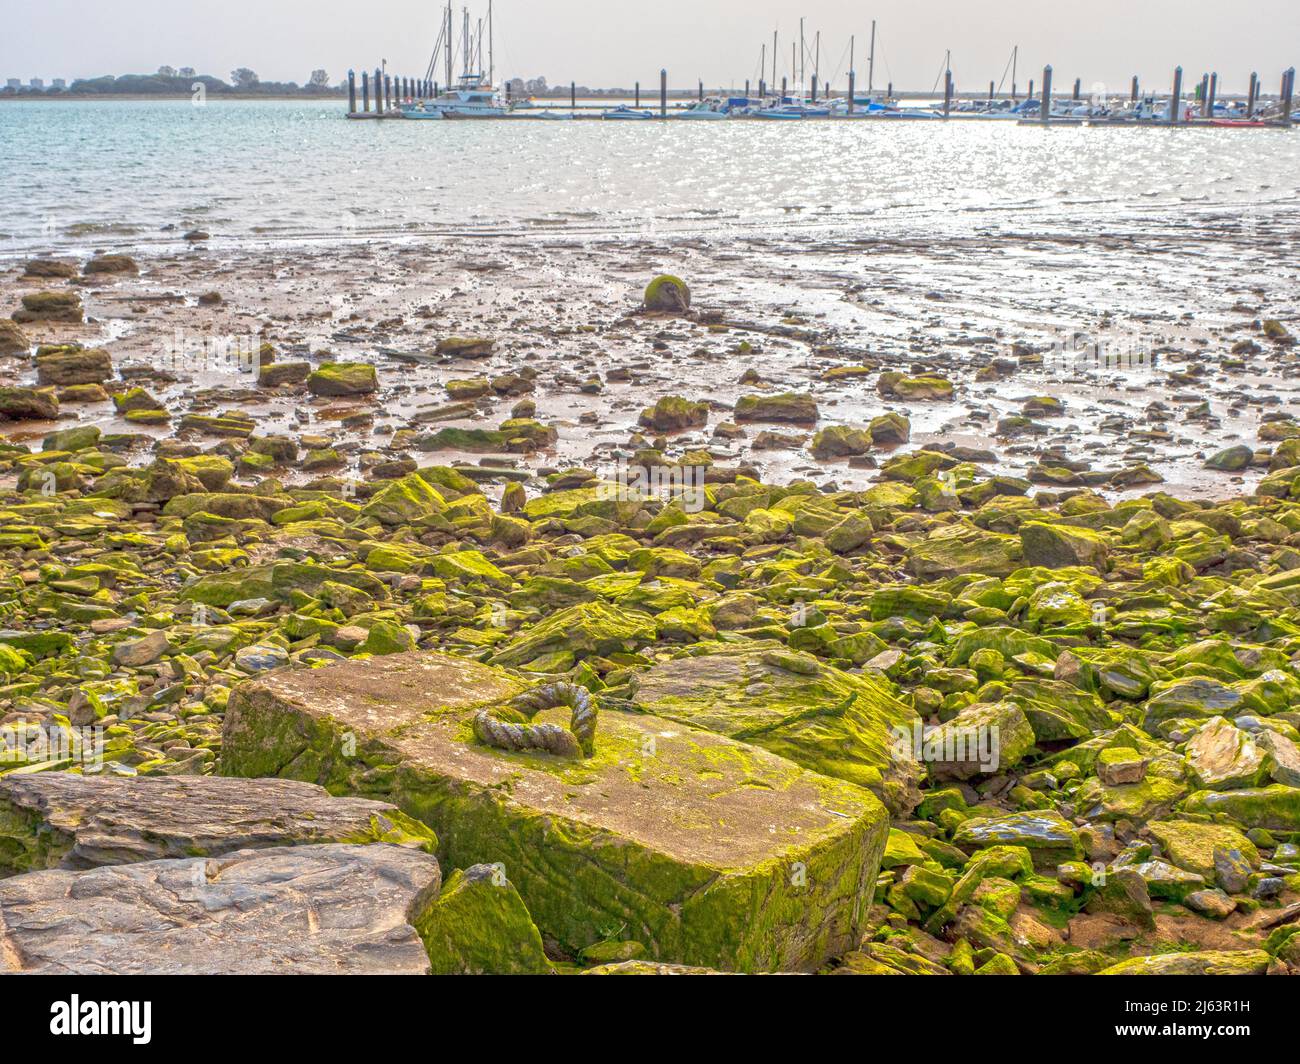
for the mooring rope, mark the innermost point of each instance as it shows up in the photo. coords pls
(578, 739)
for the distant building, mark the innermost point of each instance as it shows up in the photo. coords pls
(36, 83)
(14, 84)
(58, 83)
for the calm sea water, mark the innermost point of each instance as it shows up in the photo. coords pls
(132, 173)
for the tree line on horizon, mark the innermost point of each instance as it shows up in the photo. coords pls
(170, 81)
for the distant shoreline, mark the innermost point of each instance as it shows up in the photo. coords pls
(231, 97)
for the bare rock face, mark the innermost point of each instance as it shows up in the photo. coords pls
(302, 910)
(62, 820)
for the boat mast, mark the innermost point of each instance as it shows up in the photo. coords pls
(449, 45)
(492, 55)
(871, 58)
(803, 51)
(775, 56)
(464, 55)
(1014, 52)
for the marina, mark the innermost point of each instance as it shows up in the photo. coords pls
(475, 95)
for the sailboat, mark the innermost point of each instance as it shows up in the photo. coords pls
(473, 95)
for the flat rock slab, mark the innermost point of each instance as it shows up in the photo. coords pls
(63, 820)
(708, 851)
(300, 910)
(793, 704)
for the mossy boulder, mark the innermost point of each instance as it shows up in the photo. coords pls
(1274, 808)
(28, 404)
(343, 379)
(838, 723)
(277, 374)
(110, 264)
(1205, 962)
(956, 550)
(840, 441)
(52, 269)
(405, 501)
(788, 406)
(73, 364)
(589, 628)
(1056, 546)
(480, 926)
(705, 850)
(50, 306)
(667, 294)
(466, 346)
(13, 341)
(890, 429)
(672, 413)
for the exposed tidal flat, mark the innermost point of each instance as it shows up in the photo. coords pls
(330, 555)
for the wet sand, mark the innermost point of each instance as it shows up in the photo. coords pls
(1005, 316)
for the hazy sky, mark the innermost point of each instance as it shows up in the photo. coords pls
(606, 42)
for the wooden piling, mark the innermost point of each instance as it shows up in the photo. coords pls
(701, 90)
(1203, 93)
(1078, 88)
(1288, 92)
(638, 95)
(365, 92)
(889, 91)
(762, 89)
(573, 95)
(352, 92)
(388, 92)
(947, 93)
(663, 93)
(814, 88)
(379, 92)
(784, 87)
(1214, 91)
(991, 92)
(1045, 114)
(1030, 94)
(1133, 92)
(1252, 95)
(1176, 101)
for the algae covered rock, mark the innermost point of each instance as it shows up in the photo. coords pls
(343, 378)
(28, 404)
(1207, 962)
(50, 306)
(466, 346)
(585, 629)
(983, 739)
(672, 413)
(1059, 546)
(830, 721)
(480, 926)
(708, 850)
(667, 294)
(793, 407)
(62, 820)
(13, 341)
(243, 913)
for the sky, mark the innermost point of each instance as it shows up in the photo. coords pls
(605, 43)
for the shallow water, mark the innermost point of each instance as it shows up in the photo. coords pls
(96, 172)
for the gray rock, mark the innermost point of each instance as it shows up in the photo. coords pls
(143, 651)
(301, 910)
(261, 658)
(58, 819)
